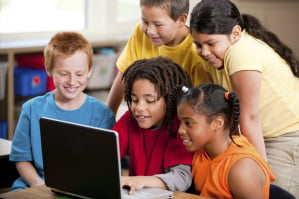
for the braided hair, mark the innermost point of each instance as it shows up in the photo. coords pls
(213, 100)
(163, 73)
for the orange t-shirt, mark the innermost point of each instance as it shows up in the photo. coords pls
(211, 176)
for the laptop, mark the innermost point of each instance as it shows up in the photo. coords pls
(84, 162)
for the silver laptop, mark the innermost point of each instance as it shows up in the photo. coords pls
(82, 161)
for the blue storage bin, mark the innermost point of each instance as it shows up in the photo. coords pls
(3, 129)
(28, 81)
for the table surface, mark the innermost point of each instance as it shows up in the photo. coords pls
(43, 192)
(5, 146)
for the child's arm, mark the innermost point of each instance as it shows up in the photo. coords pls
(29, 174)
(115, 95)
(177, 178)
(246, 179)
(249, 101)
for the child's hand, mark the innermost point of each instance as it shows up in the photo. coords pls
(38, 183)
(132, 183)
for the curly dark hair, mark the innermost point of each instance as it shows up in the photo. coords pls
(164, 74)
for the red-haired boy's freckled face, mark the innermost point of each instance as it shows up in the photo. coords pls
(146, 108)
(70, 75)
(159, 27)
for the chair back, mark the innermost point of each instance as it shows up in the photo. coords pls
(277, 192)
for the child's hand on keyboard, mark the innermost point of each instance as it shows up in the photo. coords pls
(133, 183)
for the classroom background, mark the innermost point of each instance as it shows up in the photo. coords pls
(27, 26)
(107, 24)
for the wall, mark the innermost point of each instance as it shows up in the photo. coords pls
(278, 16)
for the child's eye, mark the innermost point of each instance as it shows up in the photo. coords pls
(188, 123)
(150, 101)
(134, 100)
(198, 46)
(144, 22)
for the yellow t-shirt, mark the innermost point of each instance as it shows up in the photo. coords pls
(139, 46)
(279, 95)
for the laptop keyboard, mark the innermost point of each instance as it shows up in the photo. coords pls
(138, 194)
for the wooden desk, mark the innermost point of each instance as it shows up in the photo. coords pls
(43, 192)
(5, 146)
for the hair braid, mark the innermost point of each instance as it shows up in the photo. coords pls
(234, 101)
(172, 106)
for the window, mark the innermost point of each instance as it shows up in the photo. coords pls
(34, 18)
(41, 15)
(127, 10)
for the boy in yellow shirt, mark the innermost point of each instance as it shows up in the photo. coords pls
(162, 32)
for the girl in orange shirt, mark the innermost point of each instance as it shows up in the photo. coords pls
(224, 165)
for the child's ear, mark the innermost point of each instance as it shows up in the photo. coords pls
(89, 73)
(49, 73)
(218, 122)
(183, 19)
(236, 33)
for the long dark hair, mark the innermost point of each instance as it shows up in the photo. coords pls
(220, 16)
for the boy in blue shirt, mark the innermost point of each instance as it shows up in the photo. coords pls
(68, 59)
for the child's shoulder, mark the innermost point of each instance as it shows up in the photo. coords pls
(95, 103)
(137, 32)
(93, 100)
(40, 99)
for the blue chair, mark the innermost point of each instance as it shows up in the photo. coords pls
(277, 192)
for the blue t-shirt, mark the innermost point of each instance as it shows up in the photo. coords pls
(26, 144)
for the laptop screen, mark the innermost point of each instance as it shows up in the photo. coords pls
(80, 160)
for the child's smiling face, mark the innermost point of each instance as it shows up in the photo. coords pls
(70, 75)
(195, 130)
(159, 27)
(148, 111)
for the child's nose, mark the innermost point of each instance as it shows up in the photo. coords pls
(205, 51)
(140, 106)
(71, 79)
(151, 30)
(181, 130)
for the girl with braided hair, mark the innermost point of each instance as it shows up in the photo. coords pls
(251, 61)
(157, 155)
(225, 165)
